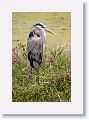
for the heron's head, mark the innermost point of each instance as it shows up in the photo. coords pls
(41, 26)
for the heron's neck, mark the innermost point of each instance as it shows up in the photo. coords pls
(43, 35)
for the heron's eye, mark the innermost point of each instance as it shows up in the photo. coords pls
(39, 27)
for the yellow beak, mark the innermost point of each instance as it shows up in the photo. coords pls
(50, 31)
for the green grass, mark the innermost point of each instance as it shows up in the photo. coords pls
(54, 79)
(55, 70)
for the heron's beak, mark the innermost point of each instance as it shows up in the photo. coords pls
(50, 31)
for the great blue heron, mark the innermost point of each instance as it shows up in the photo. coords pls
(36, 45)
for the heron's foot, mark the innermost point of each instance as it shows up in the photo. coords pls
(30, 77)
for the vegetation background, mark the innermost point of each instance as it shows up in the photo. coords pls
(55, 70)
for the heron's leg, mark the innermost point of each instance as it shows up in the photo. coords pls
(37, 78)
(30, 75)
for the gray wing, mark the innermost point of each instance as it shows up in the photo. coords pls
(35, 49)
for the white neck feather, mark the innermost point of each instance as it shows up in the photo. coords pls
(42, 35)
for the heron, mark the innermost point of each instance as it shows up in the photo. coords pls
(36, 46)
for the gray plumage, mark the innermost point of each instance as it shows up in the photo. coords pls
(36, 44)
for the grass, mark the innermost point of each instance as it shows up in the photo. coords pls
(59, 22)
(55, 70)
(54, 79)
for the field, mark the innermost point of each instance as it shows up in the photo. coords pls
(55, 70)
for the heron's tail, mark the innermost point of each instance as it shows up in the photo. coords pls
(35, 64)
